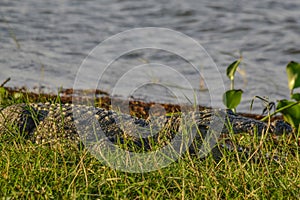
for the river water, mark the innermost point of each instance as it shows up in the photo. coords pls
(44, 43)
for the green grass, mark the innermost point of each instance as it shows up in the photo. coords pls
(31, 171)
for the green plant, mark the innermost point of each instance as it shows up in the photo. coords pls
(290, 109)
(268, 106)
(232, 97)
(293, 74)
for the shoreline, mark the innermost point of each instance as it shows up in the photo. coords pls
(102, 99)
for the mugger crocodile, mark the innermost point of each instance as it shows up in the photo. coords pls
(50, 123)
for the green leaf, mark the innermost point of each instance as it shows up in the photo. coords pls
(232, 98)
(290, 114)
(232, 68)
(2, 91)
(293, 74)
(2, 94)
(296, 96)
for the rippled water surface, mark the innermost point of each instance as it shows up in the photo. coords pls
(45, 42)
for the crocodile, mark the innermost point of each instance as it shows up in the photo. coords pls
(46, 123)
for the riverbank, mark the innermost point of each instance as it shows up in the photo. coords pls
(99, 98)
(43, 171)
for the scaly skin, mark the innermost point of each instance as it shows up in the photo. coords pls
(49, 123)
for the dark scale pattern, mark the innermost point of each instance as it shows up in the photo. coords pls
(49, 123)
